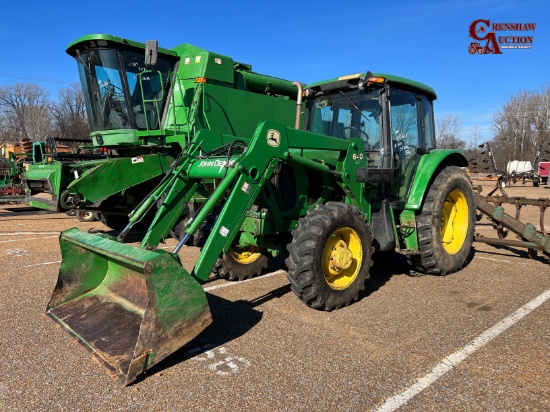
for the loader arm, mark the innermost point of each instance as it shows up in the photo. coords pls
(272, 143)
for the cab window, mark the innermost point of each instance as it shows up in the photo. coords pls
(350, 114)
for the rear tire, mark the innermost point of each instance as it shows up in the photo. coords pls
(178, 230)
(330, 256)
(446, 224)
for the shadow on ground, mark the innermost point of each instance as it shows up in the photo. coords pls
(232, 319)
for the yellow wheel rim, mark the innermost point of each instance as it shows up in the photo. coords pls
(342, 258)
(247, 255)
(454, 222)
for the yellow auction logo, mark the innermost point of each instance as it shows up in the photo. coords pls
(483, 31)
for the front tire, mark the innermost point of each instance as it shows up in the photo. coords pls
(115, 222)
(446, 224)
(237, 263)
(330, 256)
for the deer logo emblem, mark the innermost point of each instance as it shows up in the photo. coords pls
(273, 138)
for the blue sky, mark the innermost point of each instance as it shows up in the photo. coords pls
(305, 41)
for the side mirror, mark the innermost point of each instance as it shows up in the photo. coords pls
(151, 51)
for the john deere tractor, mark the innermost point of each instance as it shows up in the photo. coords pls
(144, 105)
(363, 176)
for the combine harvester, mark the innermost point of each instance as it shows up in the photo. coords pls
(364, 175)
(144, 105)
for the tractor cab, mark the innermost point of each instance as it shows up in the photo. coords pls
(124, 91)
(393, 117)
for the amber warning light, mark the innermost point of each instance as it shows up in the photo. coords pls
(375, 79)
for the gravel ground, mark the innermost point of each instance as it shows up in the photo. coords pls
(267, 351)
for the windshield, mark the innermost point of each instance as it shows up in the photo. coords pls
(120, 92)
(345, 115)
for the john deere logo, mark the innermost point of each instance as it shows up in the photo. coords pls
(273, 138)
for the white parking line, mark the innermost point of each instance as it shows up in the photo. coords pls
(21, 240)
(225, 285)
(29, 233)
(41, 264)
(507, 261)
(455, 358)
(494, 260)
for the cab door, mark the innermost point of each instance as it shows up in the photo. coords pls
(411, 119)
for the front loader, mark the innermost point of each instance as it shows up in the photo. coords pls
(363, 176)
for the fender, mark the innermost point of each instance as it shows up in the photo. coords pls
(426, 169)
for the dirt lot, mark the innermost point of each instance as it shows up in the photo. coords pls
(475, 340)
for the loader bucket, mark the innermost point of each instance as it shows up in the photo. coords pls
(129, 306)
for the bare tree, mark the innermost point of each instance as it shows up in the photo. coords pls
(475, 136)
(24, 112)
(542, 117)
(447, 132)
(472, 151)
(69, 113)
(520, 124)
(403, 122)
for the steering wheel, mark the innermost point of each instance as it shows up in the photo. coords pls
(112, 90)
(366, 140)
(107, 85)
(112, 102)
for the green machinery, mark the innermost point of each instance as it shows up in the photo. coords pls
(363, 176)
(144, 104)
(48, 169)
(11, 189)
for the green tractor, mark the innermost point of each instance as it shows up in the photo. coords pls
(364, 176)
(144, 105)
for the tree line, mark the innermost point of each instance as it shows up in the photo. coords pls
(520, 127)
(28, 113)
